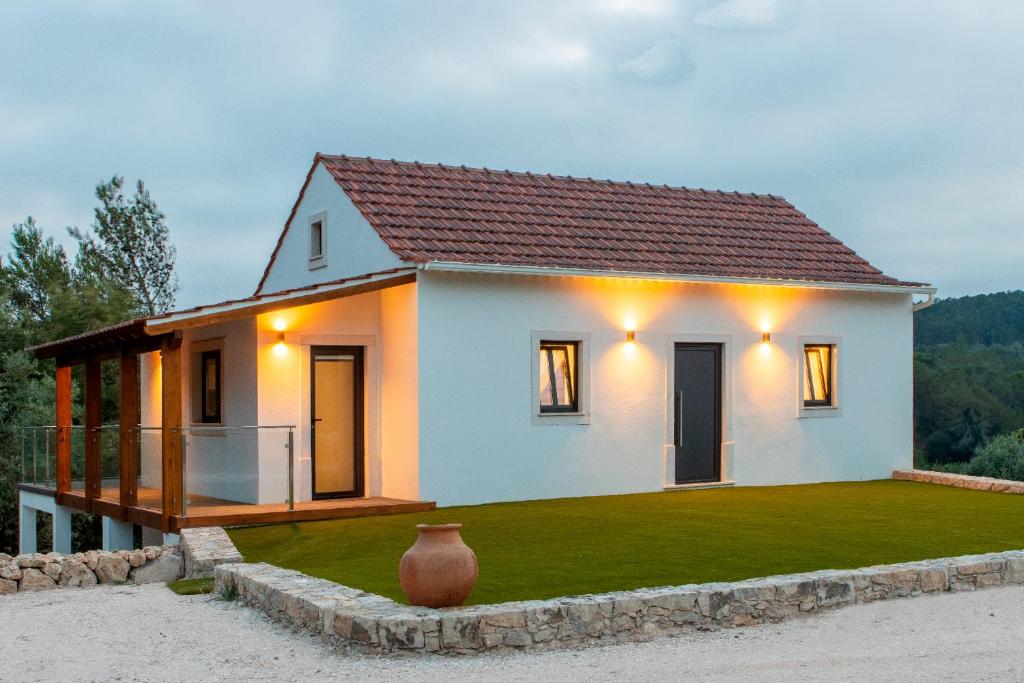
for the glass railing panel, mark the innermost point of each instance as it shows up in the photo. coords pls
(223, 467)
(148, 444)
(228, 467)
(108, 446)
(39, 456)
(78, 436)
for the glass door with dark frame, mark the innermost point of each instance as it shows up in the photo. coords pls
(336, 411)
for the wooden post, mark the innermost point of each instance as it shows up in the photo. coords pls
(93, 422)
(170, 381)
(63, 423)
(129, 423)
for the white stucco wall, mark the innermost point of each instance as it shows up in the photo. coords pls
(284, 396)
(222, 463)
(399, 393)
(351, 245)
(478, 442)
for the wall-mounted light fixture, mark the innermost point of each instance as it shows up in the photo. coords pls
(766, 337)
(280, 348)
(630, 336)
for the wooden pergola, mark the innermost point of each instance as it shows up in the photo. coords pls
(123, 343)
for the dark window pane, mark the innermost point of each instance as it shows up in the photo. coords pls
(557, 377)
(316, 239)
(818, 374)
(210, 386)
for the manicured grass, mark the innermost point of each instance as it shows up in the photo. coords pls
(191, 586)
(550, 548)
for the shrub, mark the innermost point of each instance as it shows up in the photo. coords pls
(1002, 458)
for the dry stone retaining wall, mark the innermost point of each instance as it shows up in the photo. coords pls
(962, 481)
(39, 571)
(373, 624)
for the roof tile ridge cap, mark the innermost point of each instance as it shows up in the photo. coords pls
(531, 174)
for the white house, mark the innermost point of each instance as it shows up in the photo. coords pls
(437, 333)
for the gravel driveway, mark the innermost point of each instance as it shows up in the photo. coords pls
(149, 634)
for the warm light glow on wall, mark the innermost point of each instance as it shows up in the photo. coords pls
(279, 324)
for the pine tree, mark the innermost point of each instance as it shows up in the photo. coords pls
(131, 246)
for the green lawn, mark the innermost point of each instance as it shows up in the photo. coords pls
(550, 548)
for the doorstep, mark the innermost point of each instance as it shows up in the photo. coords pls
(699, 485)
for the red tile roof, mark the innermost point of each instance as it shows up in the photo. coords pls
(430, 212)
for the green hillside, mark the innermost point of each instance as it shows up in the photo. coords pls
(968, 374)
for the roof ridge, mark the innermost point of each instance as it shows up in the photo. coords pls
(535, 175)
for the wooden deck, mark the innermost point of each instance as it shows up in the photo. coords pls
(246, 515)
(207, 511)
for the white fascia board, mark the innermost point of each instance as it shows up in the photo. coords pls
(456, 267)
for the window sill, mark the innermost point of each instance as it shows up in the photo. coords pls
(820, 411)
(317, 263)
(561, 419)
(215, 429)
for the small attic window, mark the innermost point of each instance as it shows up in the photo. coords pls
(316, 240)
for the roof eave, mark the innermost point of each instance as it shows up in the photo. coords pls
(266, 303)
(455, 266)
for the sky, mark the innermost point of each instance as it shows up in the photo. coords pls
(897, 126)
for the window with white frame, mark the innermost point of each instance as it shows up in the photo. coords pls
(318, 240)
(560, 377)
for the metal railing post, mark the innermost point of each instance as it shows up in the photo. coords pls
(46, 465)
(291, 469)
(35, 448)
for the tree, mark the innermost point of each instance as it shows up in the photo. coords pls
(127, 269)
(131, 246)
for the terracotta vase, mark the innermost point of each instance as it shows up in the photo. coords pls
(439, 570)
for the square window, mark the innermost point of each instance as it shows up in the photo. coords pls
(558, 377)
(819, 375)
(316, 240)
(209, 392)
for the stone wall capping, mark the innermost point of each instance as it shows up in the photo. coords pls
(963, 481)
(363, 622)
(205, 548)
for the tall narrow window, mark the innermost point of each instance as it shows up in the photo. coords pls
(819, 383)
(316, 240)
(210, 386)
(558, 377)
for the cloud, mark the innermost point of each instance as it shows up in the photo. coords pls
(747, 15)
(664, 62)
(888, 143)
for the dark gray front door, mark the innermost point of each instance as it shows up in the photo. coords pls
(697, 415)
